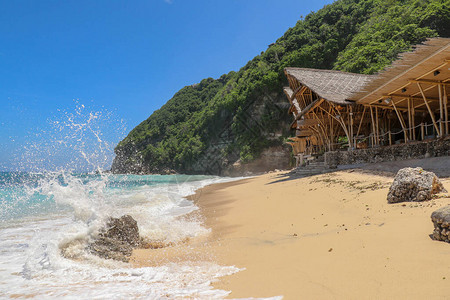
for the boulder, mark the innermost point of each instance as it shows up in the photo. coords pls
(117, 239)
(414, 184)
(441, 221)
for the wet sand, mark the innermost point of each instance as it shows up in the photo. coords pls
(330, 236)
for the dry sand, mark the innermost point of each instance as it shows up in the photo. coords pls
(331, 236)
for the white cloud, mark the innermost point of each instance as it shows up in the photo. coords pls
(168, 1)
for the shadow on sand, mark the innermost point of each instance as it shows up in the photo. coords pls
(439, 165)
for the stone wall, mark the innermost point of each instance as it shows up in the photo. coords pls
(432, 148)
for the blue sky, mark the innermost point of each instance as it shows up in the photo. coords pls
(119, 59)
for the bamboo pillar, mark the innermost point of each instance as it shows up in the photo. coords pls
(351, 128)
(373, 125)
(389, 124)
(409, 118)
(340, 121)
(413, 117)
(422, 131)
(330, 121)
(377, 126)
(428, 107)
(446, 110)
(360, 122)
(402, 122)
(441, 111)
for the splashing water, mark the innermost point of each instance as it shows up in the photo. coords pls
(75, 140)
(54, 210)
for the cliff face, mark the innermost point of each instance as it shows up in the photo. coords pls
(220, 156)
(231, 125)
(223, 157)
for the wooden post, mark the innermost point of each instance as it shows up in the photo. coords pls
(428, 107)
(390, 138)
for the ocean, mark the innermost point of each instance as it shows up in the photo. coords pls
(45, 214)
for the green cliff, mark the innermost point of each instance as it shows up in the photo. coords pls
(227, 125)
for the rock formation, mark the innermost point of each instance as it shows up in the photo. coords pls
(414, 184)
(441, 221)
(117, 239)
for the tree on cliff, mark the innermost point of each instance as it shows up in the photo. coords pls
(208, 126)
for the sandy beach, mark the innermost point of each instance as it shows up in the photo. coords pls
(330, 236)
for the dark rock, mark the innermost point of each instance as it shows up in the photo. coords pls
(414, 184)
(441, 221)
(117, 239)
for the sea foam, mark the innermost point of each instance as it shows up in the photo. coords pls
(47, 217)
(45, 255)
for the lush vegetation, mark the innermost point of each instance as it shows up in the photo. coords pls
(240, 110)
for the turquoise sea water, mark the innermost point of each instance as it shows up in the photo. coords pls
(42, 214)
(27, 194)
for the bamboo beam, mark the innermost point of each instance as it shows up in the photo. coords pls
(446, 61)
(423, 104)
(294, 100)
(403, 73)
(311, 106)
(340, 122)
(402, 122)
(429, 81)
(360, 122)
(399, 108)
(317, 132)
(428, 107)
(303, 99)
(321, 125)
(292, 83)
(294, 93)
(404, 96)
(408, 96)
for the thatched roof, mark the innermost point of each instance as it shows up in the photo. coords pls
(432, 55)
(288, 92)
(333, 86)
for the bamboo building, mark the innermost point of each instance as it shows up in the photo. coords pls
(407, 102)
